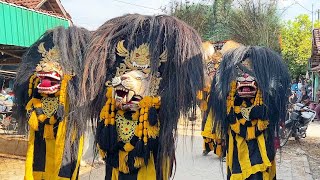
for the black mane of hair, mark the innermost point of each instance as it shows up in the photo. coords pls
(271, 75)
(182, 74)
(71, 43)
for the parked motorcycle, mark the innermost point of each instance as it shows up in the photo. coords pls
(298, 118)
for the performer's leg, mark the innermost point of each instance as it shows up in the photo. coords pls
(108, 172)
(206, 147)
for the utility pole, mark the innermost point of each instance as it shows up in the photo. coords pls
(318, 11)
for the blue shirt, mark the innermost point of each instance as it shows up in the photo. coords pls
(294, 87)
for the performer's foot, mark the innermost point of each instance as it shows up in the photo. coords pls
(205, 152)
(224, 159)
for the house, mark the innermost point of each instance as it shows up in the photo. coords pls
(22, 22)
(314, 62)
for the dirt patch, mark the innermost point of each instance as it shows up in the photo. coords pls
(309, 146)
(11, 167)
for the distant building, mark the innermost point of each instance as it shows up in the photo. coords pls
(314, 61)
(22, 22)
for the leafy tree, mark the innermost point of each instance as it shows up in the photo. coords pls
(208, 17)
(296, 43)
(255, 22)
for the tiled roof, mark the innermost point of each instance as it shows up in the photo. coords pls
(32, 4)
(26, 3)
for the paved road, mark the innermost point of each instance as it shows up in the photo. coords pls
(191, 165)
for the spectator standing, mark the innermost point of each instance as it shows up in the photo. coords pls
(294, 85)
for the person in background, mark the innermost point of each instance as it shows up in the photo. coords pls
(300, 84)
(293, 98)
(294, 85)
(317, 109)
(299, 95)
(304, 97)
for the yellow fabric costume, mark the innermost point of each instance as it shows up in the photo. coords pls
(248, 101)
(146, 74)
(50, 71)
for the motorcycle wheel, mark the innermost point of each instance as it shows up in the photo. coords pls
(285, 134)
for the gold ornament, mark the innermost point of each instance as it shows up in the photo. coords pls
(50, 105)
(50, 60)
(246, 112)
(137, 59)
(125, 128)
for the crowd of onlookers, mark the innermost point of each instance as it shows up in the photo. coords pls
(301, 92)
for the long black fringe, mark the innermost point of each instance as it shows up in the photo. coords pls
(182, 74)
(72, 43)
(271, 75)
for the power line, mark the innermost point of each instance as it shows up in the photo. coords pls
(302, 6)
(286, 8)
(138, 5)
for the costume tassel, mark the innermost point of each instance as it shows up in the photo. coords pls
(112, 136)
(153, 131)
(153, 116)
(128, 147)
(33, 121)
(262, 124)
(52, 120)
(48, 131)
(236, 127)
(31, 84)
(146, 153)
(123, 159)
(42, 117)
(218, 150)
(203, 105)
(200, 95)
(139, 148)
(138, 162)
(251, 133)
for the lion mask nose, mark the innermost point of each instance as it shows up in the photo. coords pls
(123, 78)
(245, 75)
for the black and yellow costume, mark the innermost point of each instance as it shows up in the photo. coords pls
(210, 140)
(128, 140)
(249, 124)
(150, 74)
(56, 135)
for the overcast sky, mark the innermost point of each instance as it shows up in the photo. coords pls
(92, 13)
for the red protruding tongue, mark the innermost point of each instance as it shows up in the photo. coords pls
(245, 89)
(45, 83)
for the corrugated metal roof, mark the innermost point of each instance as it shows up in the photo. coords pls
(55, 7)
(22, 27)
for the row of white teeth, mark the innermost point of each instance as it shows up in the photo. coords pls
(122, 89)
(127, 97)
(249, 85)
(122, 98)
(251, 92)
(49, 88)
(140, 66)
(49, 75)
